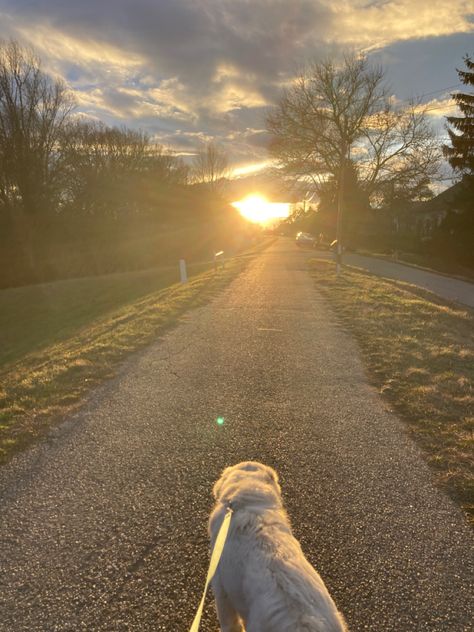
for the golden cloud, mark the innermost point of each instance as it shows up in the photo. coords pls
(376, 24)
(55, 46)
(253, 167)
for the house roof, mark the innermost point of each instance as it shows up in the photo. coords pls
(443, 202)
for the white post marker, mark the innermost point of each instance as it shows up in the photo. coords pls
(215, 557)
(219, 259)
(182, 271)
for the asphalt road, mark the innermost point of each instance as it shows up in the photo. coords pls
(103, 526)
(445, 286)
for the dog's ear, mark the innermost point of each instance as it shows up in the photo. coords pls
(216, 490)
(272, 475)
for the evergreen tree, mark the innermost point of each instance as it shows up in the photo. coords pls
(461, 152)
(454, 239)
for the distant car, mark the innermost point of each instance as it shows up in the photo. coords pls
(305, 240)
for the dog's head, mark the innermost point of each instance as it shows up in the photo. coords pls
(248, 483)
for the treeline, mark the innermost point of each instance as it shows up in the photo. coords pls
(78, 197)
(374, 162)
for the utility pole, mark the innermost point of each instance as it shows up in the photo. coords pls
(345, 155)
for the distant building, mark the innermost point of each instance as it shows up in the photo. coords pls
(422, 218)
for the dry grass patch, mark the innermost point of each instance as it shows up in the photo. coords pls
(420, 354)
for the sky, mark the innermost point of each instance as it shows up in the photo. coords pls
(191, 71)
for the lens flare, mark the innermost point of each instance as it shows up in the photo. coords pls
(259, 210)
(220, 421)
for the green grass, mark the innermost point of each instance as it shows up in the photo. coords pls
(61, 339)
(33, 317)
(419, 351)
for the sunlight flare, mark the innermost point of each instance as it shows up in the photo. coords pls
(257, 209)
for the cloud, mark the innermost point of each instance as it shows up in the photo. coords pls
(377, 24)
(226, 54)
(211, 67)
(251, 168)
(439, 108)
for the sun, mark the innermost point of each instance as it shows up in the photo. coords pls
(257, 209)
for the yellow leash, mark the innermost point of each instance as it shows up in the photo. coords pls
(215, 557)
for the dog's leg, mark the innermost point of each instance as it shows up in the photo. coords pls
(229, 620)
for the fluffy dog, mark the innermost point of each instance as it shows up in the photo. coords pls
(263, 582)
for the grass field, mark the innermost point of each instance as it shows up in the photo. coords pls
(419, 351)
(36, 316)
(60, 339)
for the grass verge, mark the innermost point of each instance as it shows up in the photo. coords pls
(419, 351)
(36, 316)
(40, 387)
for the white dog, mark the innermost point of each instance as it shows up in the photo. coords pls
(263, 582)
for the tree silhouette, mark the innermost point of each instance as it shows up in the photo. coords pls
(210, 165)
(33, 111)
(338, 113)
(461, 152)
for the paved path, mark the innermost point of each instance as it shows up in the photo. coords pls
(447, 287)
(103, 527)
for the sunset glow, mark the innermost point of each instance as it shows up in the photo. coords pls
(257, 209)
(251, 168)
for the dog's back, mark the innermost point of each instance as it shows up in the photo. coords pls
(268, 580)
(263, 575)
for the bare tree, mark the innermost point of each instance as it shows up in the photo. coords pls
(100, 161)
(210, 165)
(339, 117)
(109, 168)
(165, 167)
(33, 111)
(397, 154)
